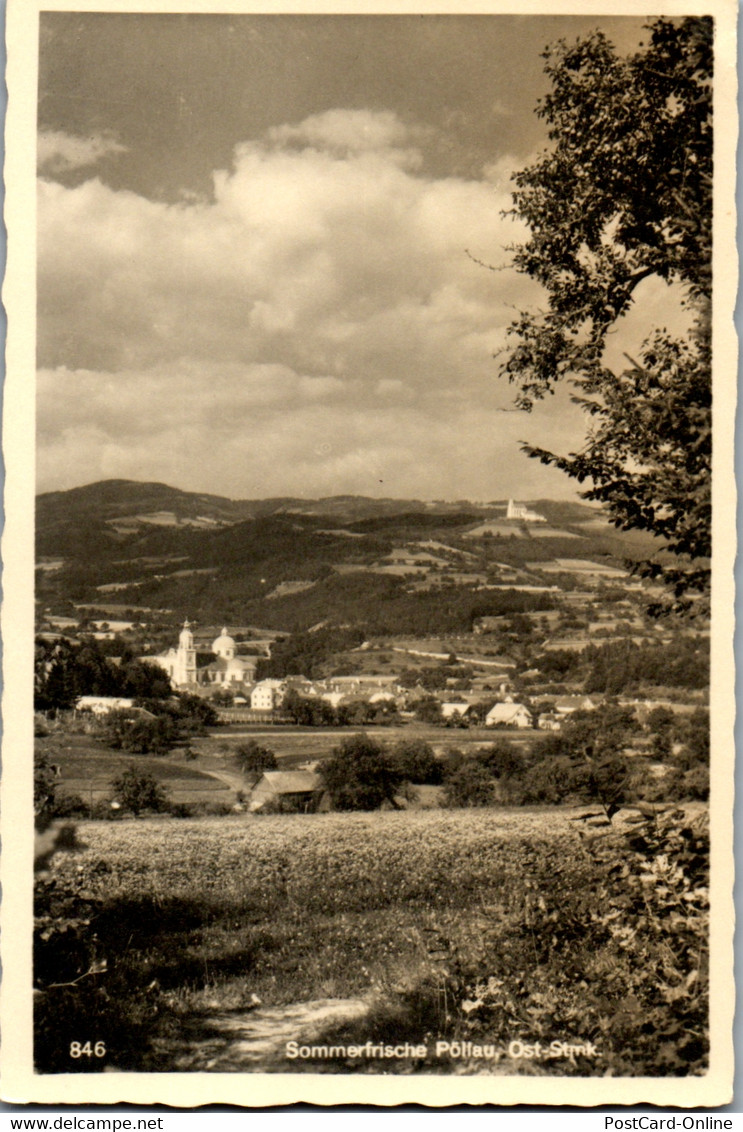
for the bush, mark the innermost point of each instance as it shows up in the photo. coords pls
(70, 806)
(548, 781)
(136, 790)
(501, 760)
(695, 783)
(469, 785)
(126, 730)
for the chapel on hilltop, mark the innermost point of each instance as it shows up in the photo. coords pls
(521, 512)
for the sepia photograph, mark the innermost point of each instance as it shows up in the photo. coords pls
(367, 650)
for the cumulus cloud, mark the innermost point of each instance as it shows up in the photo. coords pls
(324, 296)
(353, 131)
(58, 152)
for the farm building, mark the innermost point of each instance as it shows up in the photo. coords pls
(294, 791)
(508, 715)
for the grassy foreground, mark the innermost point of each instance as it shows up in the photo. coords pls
(485, 926)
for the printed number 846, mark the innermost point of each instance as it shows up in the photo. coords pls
(88, 1049)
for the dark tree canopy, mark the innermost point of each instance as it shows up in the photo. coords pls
(360, 775)
(625, 193)
(253, 759)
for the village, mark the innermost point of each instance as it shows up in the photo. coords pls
(521, 676)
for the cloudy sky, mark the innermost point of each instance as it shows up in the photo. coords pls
(256, 239)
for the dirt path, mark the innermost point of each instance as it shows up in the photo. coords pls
(235, 1041)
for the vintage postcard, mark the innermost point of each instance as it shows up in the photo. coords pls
(368, 561)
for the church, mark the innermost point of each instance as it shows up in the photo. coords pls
(521, 512)
(226, 670)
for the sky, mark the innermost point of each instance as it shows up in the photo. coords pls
(258, 246)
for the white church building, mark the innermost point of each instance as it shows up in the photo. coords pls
(521, 512)
(227, 669)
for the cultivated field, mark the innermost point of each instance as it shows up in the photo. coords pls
(296, 745)
(491, 926)
(87, 769)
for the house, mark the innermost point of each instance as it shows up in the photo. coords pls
(452, 710)
(548, 722)
(291, 791)
(267, 695)
(566, 705)
(508, 715)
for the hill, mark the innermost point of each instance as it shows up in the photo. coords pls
(286, 563)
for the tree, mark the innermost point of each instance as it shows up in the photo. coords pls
(661, 723)
(429, 710)
(594, 742)
(45, 790)
(360, 775)
(253, 759)
(126, 730)
(137, 790)
(416, 761)
(623, 194)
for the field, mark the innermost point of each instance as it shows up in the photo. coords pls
(296, 745)
(87, 769)
(161, 936)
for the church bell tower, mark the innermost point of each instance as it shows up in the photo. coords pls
(185, 667)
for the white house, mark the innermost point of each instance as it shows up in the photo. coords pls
(267, 695)
(508, 715)
(450, 710)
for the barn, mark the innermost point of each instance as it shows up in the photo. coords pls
(286, 791)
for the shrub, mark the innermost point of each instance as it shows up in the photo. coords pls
(550, 780)
(126, 730)
(501, 760)
(470, 785)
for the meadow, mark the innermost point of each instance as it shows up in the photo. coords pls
(488, 925)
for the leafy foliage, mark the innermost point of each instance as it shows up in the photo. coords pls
(416, 761)
(624, 194)
(360, 775)
(623, 956)
(253, 759)
(63, 671)
(469, 785)
(136, 790)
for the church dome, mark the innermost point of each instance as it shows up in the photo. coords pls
(224, 645)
